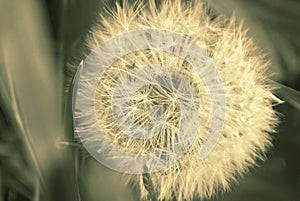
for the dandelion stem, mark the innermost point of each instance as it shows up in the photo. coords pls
(149, 186)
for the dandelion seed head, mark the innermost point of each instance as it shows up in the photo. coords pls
(242, 68)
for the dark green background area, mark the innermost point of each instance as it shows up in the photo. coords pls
(275, 26)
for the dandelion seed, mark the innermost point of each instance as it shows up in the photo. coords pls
(186, 101)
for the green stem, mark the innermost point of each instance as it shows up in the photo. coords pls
(149, 186)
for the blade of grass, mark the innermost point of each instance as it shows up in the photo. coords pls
(289, 95)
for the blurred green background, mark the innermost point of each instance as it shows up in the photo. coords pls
(39, 42)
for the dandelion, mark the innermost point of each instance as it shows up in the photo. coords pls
(154, 100)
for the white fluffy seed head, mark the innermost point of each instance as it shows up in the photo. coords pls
(242, 69)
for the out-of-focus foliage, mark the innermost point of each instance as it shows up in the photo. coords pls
(31, 103)
(275, 24)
